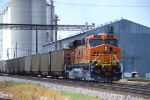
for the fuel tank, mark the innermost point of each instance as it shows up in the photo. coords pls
(78, 73)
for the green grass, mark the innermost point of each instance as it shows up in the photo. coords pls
(11, 84)
(78, 96)
(138, 78)
(142, 78)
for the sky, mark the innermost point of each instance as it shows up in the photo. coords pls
(3, 2)
(99, 11)
(102, 11)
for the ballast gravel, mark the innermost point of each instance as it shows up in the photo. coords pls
(105, 95)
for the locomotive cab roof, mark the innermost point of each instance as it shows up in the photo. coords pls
(102, 36)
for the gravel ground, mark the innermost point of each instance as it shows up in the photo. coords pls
(3, 95)
(106, 95)
(124, 81)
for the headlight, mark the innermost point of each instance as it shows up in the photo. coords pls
(105, 48)
(115, 62)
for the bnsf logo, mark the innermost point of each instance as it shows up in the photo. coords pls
(97, 53)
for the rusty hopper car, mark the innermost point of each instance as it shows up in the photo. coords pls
(27, 68)
(11, 65)
(16, 65)
(21, 65)
(45, 64)
(58, 60)
(1, 66)
(8, 66)
(35, 64)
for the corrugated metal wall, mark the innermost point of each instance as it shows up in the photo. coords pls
(62, 43)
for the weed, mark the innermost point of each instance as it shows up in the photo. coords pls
(25, 91)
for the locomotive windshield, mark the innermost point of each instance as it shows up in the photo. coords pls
(111, 42)
(95, 42)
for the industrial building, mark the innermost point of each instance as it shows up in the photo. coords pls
(133, 40)
(18, 43)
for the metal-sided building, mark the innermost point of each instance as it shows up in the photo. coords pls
(133, 40)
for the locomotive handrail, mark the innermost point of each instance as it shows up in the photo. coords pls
(115, 57)
(67, 60)
(111, 62)
(111, 59)
(94, 60)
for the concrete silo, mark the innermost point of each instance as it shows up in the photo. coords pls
(38, 16)
(1, 37)
(27, 12)
(6, 34)
(21, 14)
(50, 12)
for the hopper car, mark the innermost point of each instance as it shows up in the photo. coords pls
(96, 58)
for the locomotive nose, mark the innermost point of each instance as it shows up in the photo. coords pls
(108, 48)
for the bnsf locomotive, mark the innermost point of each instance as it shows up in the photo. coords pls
(97, 57)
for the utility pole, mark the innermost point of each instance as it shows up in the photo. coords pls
(56, 27)
(7, 54)
(28, 52)
(16, 49)
(36, 41)
(14, 54)
(52, 16)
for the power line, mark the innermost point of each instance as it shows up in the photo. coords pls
(71, 21)
(4, 49)
(75, 4)
(26, 49)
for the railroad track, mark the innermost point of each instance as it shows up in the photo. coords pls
(139, 90)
